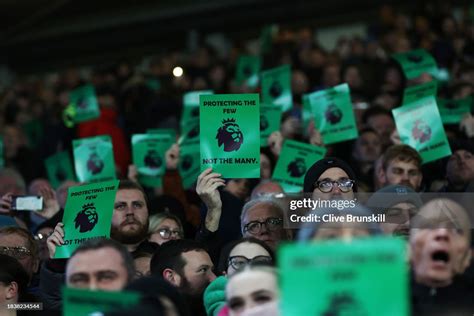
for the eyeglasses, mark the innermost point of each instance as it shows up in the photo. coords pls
(17, 252)
(239, 262)
(326, 185)
(271, 224)
(167, 233)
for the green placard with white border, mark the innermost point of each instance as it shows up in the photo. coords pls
(294, 161)
(333, 114)
(230, 134)
(366, 277)
(276, 87)
(94, 159)
(420, 126)
(85, 103)
(87, 215)
(149, 157)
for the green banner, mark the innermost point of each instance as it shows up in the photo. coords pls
(276, 87)
(94, 159)
(411, 94)
(79, 302)
(419, 125)
(270, 117)
(148, 152)
(452, 111)
(416, 62)
(169, 131)
(248, 69)
(307, 114)
(333, 114)
(87, 215)
(85, 103)
(189, 166)
(191, 106)
(367, 277)
(294, 160)
(230, 134)
(59, 168)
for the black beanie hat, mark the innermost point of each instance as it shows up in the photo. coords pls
(318, 168)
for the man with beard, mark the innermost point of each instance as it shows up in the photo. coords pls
(188, 267)
(401, 164)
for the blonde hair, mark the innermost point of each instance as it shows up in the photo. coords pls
(157, 219)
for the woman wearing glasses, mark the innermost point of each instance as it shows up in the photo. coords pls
(164, 227)
(330, 178)
(235, 257)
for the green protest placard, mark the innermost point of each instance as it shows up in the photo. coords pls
(191, 106)
(87, 215)
(169, 131)
(364, 277)
(294, 160)
(148, 151)
(416, 62)
(270, 117)
(248, 69)
(80, 302)
(59, 168)
(230, 134)
(189, 164)
(333, 114)
(190, 134)
(276, 87)
(266, 38)
(420, 91)
(307, 114)
(452, 111)
(419, 125)
(94, 159)
(85, 103)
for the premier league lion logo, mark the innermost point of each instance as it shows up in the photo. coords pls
(187, 162)
(414, 58)
(296, 168)
(333, 114)
(344, 304)
(60, 174)
(95, 164)
(275, 89)
(263, 123)
(421, 131)
(152, 159)
(194, 132)
(81, 103)
(87, 218)
(195, 112)
(229, 135)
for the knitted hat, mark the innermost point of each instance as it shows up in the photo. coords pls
(318, 168)
(214, 296)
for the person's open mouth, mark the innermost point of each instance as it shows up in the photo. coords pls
(441, 258)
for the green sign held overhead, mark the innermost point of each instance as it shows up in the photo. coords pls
(190, 133)
(59, 168)
(85, 103)
(80, 302)
(248, 69)
(87, 215)
(230, 134)
(333, 114)
(270, 117)
(191, 106)
(94, 159)
(189, 164)
(419, 125)
(414, 93)
(452, 111)
(416, 62)
(294, 160)
(276, 87)
(366, 277)
(169, 131)
(149, 157)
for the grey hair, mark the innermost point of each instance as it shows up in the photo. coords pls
(268, 200)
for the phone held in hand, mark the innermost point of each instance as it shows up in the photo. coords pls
(27, 203)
